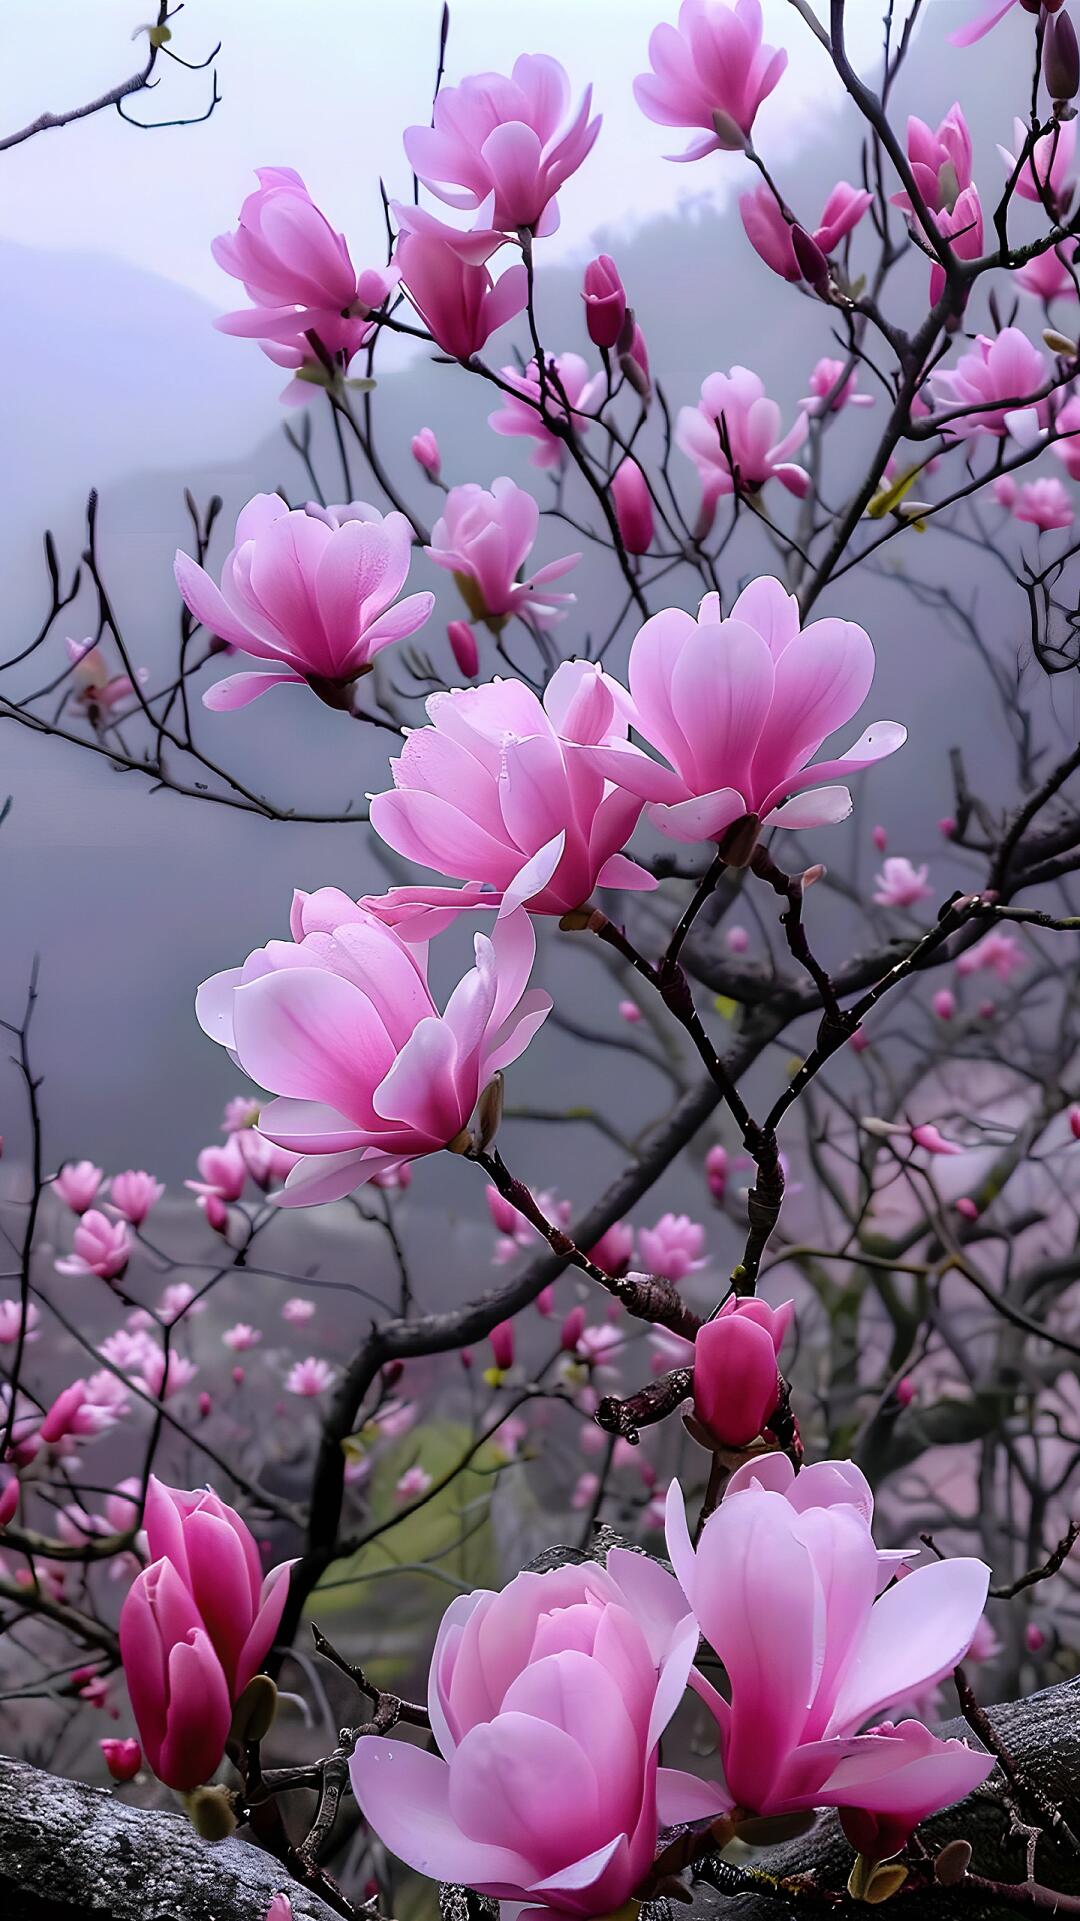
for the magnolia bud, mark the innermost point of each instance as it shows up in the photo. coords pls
(463, 647)
(425, 452)
(489, 1113)
(211, 1813)
(812, 263)
(633, 507)
(951, 1865)
(1061, 59)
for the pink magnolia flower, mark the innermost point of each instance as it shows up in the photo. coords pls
(711, 71)
(161, 1379)
(932, 1141)
(605, 301)
(341, 1025)
(630, 1012)
(1044, 504)
(899, 884)
(222, 1170)
(310, 591)
(240, 1112)
(736, 1381)
(293, 266)
(716, 1171)
(459, 302)
(940, 159)
(825, 380)
(76, 1414)
(783, 1586)
(739, 707)
(464, 648)
(1045, 174)
(412, 1484)
(566, 1679)
(962, 227)
(769, 232)
(1066, 444)
(997, 953)
(9, 1499)
(12, 1320)
(515, 138)
(569, 393)
(298, 1311)
(633, 506)
(241, 1336)
(673, 1248)
(99, 1246)
(77, 1183)
(195, 1626)
(1047, 276)
(944, 1003)
(585, 1491)
(122, 1758)
(425, 451)
(134, 1193)
(493, 793)
(309, 1377)
(484, 540)
(733, 438)
(502, 1345)
(179, 1299)
(614, 1250)
(975, 29)
(267, 1164)
(280, 1909)
(994, 382)
(597, 1347)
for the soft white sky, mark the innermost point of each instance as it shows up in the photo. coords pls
(326, 86)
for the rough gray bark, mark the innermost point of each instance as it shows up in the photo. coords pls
(73, 1853)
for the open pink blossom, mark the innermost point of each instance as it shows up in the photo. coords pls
(315, 593)
(900, 884)
(298, 1311)
(786, 1586)
(12, 1318)
(515, 138)
(736, 1379)
(547, 1703)
(998, 952)
(733, 438)
(940, 159)
(222, 1170)
(485, 539)
(195, 1626)
(134, 1193)
(825, 380)
(340, 1023)
(459, 302)
(1045, 175)
(77, 1413)
(492, 793)
(711, 71)
(309, 1377)
(769, 233)
(1044, 504)
(994, 382)
(241, 1336)
(738, 708)
(962, 226)
(78, 1183)
(1047, 276)
(293, 266)
(674, 1248)
(569, 393)
(99, 1246)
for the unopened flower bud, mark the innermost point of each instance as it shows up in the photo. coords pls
(951, 1865)
(812, 263)
(967, 1208)
(253, 1715)
(633, 507)
(1061, 58)
(464, 648)
(425, 452)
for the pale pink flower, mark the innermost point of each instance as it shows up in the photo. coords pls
(1045, 173)
(733, 438)
(1047, 276)
(315, 593)
(493, 793)
(309, 1377)
(161, 1380)
(178, 1300)
(962, 227)
(395, 1419)
(570, 392)
(12, 1320)
(673, 1248)
(966, 36)
(241, 1336)
(900, 884)
(566, 1680)
(222, 1170)
(240, 1112)
(340, 1023)
(485, 539)
(783, 1586)
(998, 952)
(769, 233)
(267, 1164)
(711, 71)
(293, 266)
(1044, 504)
(597, 1347)
(940, 159)
(716, 1170)
(630, 1012)
(297, 1311)
(78, 1183)
(585, 1491)
(736, 940)
(944, 1003)
(459, 302)
(425, 451)
(99, 1246)
(133, 1194)
(739, 707)
(412, 1484)
(736, 1379)
(508, 1437)
(825, 380)
(515, 138)
(633, 506)
(994, 382)
(464, 648)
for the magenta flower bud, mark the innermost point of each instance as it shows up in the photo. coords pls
(716, 1171)
(944, 1003)
(630, 1012)
(605, 301)
(1061, 58)
(633, 507)
(195, 1627)
(502, 1345)
(736, 1381)
(906, 1391)
(811, 262)
(392, 1373)
(1034, 1638)
(572, 1330)
(9, 1500)
(932, 1140)
(966, 1208)
(545, 1301)
(464, 648)
(946, 827)
(122, 1758)
(614, 1249)
(859, 1041)
(206, 1405)
(880, 839)
(425, 452)
(1074, 1122)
